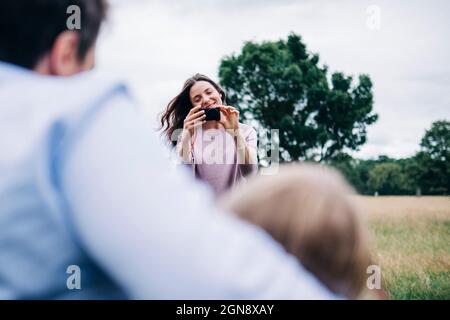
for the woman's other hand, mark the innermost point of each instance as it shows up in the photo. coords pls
(194, 118)
(229, 117)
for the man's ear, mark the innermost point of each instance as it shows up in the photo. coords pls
(63, 57)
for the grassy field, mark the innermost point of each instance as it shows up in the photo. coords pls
(411, 240)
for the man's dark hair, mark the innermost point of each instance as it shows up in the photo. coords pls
(29, 28)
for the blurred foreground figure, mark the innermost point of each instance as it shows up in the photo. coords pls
(83, 189)
(309, 210)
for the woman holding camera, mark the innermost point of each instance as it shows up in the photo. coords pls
(208, 136)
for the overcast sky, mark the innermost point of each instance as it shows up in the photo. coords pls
(156, 45)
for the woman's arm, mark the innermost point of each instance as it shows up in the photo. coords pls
(246, 142)
(183, 148)
(246, 148)
(194, 119)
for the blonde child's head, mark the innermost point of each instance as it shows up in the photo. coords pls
(307, 208)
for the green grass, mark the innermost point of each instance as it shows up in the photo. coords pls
(426, 286)
(414, 256)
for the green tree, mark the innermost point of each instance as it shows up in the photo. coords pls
(412, 172)
(280, 85)
(436, 141)
(358, 171)
(434, 159)
(386, 179)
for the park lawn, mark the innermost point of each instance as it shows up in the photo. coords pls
(411, 244)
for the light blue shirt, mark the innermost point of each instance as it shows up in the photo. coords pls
(84, 181)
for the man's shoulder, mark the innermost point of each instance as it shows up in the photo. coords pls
(41, 94)
(34, 105)
(72, 97)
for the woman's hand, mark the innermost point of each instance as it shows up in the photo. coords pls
(194, 118)
(229, 117)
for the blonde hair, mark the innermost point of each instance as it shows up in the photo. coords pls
(307, 208)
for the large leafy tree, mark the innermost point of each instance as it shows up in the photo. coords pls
(280, 85)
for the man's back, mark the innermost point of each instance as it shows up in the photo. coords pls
(37, 244)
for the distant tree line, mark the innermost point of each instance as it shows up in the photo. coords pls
(427, 172)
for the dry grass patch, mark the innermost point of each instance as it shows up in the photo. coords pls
(411, 238)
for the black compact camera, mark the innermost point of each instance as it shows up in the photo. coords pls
(212, 114)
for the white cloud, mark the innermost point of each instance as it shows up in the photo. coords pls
(158, 44)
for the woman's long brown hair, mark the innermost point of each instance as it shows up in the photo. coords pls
(178, 108)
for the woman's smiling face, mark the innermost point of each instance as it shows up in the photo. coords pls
(205, 94)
